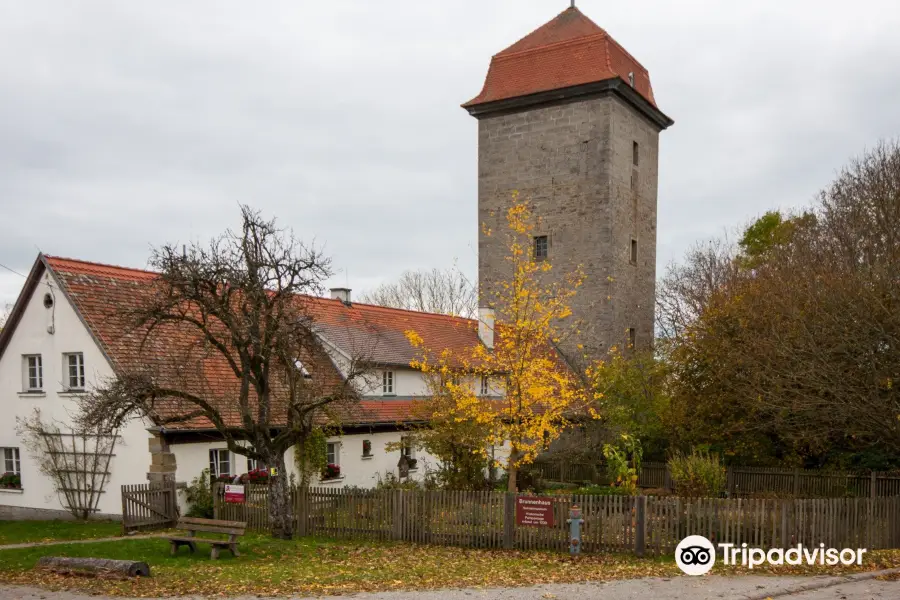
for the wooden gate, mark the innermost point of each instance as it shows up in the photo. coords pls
(149, 506)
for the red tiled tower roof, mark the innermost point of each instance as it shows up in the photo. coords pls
(569, 50)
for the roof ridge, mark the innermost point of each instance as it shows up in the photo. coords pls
(374, 306)
(570, 42)
(627, 53)
(405, 310)
(99, 264)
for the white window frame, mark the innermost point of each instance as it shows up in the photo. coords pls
(79, 370)
(335, 452)
(407, 448)
(39, 374)
(215, 464)
(388, 381)
(485, 385)
(12, 462)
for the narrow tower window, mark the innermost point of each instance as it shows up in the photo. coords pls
(635, 153)
(541, 247)
(632, 338)
(634, 252)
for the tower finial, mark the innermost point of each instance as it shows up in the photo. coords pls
(572, 4)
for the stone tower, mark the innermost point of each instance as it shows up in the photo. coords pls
(567, 117)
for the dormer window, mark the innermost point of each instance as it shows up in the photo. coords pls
(74, 365)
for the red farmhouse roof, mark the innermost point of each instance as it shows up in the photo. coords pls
(568, 51)
(99, 292)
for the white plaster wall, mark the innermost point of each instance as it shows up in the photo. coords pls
(132, 458)
(365, 472)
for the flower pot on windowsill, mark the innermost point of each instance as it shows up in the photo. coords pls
(331, 471)
(10, 481)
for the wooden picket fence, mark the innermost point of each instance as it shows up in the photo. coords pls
(149, 506)
(641, 524)
(744, 482)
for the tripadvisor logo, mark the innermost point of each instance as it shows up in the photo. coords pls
(695, 555)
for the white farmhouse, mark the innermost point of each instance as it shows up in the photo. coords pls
(62, 338)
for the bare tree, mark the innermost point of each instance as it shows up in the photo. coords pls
(77, 461)
(687, 287)
(4, 315)
(447, 292)
(228, 338)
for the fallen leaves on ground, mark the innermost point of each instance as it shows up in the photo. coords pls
(321, 567)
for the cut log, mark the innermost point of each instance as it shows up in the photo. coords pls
(94, 566)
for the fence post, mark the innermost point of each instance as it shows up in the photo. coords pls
(397, 515)
(729, 481)
(874, 488)
(509, 520)
(217, 506)
(302, 510)
(640, 528)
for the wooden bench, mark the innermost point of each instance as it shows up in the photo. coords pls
(233, 529)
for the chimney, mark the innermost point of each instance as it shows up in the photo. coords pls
(342, 294)
(486, 327)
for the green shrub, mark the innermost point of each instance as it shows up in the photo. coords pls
(623, 463)
(699, 474)
(199, 497)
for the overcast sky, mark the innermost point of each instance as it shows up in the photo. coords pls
(125, 125)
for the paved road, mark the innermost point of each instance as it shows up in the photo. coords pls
(676, 588)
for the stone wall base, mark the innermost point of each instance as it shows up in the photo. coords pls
(24, 513)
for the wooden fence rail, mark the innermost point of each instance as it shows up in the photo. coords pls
(744, 482)
(643, 524)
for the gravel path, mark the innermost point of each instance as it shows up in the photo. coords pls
(684, 588)
(87, 541)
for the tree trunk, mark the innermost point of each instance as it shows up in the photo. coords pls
(281, 517)
(94, 566)
(512, 471)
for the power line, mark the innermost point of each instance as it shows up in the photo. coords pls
(13, 271)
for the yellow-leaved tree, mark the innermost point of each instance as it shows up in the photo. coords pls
(521, 390)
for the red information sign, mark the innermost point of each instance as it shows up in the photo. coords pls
(534, 511)
(234, 493)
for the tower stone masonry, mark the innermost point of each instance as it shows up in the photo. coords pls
(568, 119)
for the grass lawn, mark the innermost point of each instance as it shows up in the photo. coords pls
(318, 566)
(20, 532)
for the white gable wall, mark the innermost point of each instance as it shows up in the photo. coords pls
(31, 336)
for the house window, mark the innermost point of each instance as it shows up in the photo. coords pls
(74, 364)
(387, 382)
(541, 247)
(253, 464)
(219, 462)
(10, 469)
(634, 252)
(333, 453)
(485, 385)
(632, 337)
(11, 462)
(407, 448)
(367, 447)
(635, 153)
(34, 373)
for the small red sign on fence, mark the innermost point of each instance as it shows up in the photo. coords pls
(534, 511)
(234, 493)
